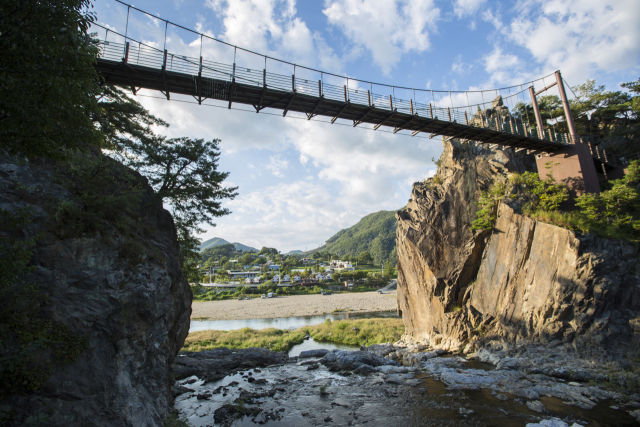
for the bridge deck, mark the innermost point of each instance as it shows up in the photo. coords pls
(168, 73)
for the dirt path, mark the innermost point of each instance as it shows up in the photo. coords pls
(297, 305)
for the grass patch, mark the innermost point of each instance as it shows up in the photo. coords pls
(367, 332)
(273, 339)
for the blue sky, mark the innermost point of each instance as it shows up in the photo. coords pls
(302, 181)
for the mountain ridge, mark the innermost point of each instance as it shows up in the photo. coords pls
(217, 241)
(374, 233)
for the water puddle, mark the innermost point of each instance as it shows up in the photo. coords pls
(310, 344)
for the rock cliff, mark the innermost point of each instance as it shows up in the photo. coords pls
(108, 280)
(523, 282)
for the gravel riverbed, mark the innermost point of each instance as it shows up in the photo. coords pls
(296, 305)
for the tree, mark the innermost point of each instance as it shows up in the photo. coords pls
(246, 259)
(47, 79)
(268, 251)
(389, 269)
(365, 258)
(183, 171)
(123, 121)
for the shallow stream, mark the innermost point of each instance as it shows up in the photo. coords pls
(413, 399)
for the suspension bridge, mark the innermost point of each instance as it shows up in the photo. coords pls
(131, 63)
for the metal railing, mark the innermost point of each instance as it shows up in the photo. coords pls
(142, 55)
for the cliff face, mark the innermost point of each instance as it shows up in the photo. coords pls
(524, 281)
(120, 290)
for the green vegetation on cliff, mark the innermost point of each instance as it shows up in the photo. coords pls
(614, 213)
(375, 234)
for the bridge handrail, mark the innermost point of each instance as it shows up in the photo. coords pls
(152, 57)
(310, 68)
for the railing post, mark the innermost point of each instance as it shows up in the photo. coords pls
(164, 61)
(264, 78)
(449, 113)
(567, 110)
(369, 97)
(319, 88)
(293, 83)
(466, 119)
(431, 110)
(536, 111)
(126, 53)
(233, 77)
(390, 103)
(344, 87)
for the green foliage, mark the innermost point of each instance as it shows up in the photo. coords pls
(546, 195)
(375, 233)
(615, 211)
(365, 258)
(123, 120)
(47, 79)
(358, 331)
(488, 204)
(273, 339)
(389, 269)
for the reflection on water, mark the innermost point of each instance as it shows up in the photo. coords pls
(310, 344)
(282, 322)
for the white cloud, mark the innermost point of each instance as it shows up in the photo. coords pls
(580, 37)
(277, 164)
(460, 67)
(271, 27)
(466, 7)
(387, 28)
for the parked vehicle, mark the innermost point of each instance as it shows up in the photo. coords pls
(239, 298)
(263, 296)
(247, 298)
(270, 295)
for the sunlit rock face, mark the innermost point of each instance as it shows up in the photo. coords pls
(524, 281)
(121, 290)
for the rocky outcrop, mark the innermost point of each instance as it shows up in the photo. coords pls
(118, 290)
(524, 282)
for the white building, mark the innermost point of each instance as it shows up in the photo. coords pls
(296, 278)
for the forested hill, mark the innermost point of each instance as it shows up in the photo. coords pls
(375, 233)
(217, 241)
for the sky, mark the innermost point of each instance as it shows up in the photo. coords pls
(300, 181)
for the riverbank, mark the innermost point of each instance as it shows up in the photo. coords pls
(297, 305)
(352, 332)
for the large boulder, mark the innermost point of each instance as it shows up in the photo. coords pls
(349, 360)
(106, 284)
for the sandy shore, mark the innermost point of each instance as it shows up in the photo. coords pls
(297, 305)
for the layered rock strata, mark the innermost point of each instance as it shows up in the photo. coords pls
(121, 291)
(524, 282)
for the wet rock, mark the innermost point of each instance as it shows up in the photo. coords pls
(313, 367)
(350, 360)
(321, 352)
(328, 419)
(465, 411)
(413, 359)
(390, 369)
(536, 405)
(212, 365)
(381, 349)
(364, 369)
(177, 389)
(233, 384)
(203, 396)
(501, 396)
(553, 422)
